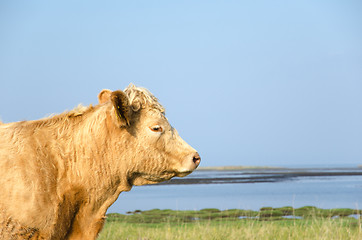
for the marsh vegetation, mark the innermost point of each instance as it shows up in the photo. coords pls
(267, 223)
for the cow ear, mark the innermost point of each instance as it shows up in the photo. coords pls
(104, 96)
(121, 104)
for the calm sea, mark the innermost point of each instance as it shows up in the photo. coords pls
(324, 188)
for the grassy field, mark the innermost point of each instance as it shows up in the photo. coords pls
(268, 223)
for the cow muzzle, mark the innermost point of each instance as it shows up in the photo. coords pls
(190, 164)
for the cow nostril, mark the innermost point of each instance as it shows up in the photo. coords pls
(196, 159)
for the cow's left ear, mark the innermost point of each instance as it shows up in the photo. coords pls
(121, 104)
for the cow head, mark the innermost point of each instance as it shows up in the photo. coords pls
(157, 153)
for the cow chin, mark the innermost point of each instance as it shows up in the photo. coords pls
(143, 179)
(183, 174)
(151, 179)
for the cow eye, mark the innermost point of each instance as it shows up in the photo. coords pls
(156, 128)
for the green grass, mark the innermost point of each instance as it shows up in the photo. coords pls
(268, 223)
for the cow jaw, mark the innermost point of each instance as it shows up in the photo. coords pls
(144, 179)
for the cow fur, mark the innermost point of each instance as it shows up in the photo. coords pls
(59, 175)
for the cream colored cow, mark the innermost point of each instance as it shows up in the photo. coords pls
(59, 175)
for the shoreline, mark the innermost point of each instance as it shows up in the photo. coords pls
(236, 168)
(234, 175)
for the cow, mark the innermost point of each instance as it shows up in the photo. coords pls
(60, 174)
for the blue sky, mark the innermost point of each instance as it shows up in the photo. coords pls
(244, 82)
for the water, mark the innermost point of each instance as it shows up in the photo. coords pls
(276, 188)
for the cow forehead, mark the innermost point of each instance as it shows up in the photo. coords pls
(154, 112)
(152, 115)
